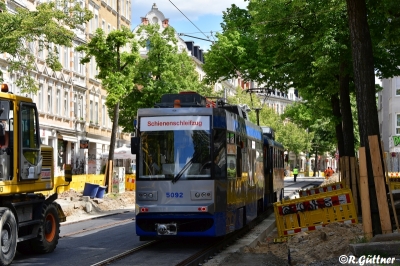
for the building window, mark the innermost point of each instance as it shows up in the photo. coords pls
(128, 4)
(398, 125)
(148, 45)
(91, 111)
(58, 100)
(40, 49)
(80, 107)
(32, 48)
(398, 91)
(66, 53)
(66, 102)
(93, 68)
(103, 115)
(76, 60)
(96, 112)
(78, 67)
(49, 99)
(40, 97)
(60, 54)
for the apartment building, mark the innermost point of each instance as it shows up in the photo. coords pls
(73, 116)
(389, 114)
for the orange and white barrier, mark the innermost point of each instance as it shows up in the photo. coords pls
(314, 211)
(327, 188)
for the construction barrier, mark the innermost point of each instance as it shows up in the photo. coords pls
(314, 211)
(392, 163)
(78, 183)
(322, 189)
(394, 178)
(130, 182)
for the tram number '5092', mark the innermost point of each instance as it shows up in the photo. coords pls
(174, 194)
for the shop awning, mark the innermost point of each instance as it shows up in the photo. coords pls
(121, 153)
(69, 138)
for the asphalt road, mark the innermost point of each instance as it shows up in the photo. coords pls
(91, 241)
(98, 239)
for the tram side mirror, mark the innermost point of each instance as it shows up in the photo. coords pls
(135, 145)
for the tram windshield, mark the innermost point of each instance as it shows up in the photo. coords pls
(180, 154)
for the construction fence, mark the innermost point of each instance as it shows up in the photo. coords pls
(392, 161)
(315, 211)
(320, 206)
(78, 183)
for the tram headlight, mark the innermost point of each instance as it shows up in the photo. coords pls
(147, 195)
(201, 195)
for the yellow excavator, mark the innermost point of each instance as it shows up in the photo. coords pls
(29, 221)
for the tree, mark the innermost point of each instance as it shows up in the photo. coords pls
(47, 25)
(364, 79)
(116, 56)
(163, 70)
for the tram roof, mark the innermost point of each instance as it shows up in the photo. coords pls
(272, 142)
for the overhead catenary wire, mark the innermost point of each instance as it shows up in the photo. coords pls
(189, 20)
(216, 45)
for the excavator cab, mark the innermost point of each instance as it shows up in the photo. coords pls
(30, 161)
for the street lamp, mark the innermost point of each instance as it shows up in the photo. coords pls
(257, 109)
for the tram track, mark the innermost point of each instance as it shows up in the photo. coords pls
(126, 253)
(209, 252)
(197, 257)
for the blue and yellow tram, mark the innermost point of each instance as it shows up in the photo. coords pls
(200, 169)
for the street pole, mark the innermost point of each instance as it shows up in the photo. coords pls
(307, 171)
(315, 162)
(258, 115)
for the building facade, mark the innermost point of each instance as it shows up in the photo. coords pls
(389, 114)
(71, 102)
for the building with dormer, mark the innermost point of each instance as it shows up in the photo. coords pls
(71, 102)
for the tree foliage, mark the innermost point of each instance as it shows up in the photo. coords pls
(290, 135)
(117, 58)
(163, 70)
(47, 25)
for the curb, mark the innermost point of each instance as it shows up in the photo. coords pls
(97, 216)
(388, 248)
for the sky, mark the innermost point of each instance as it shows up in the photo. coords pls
(206, 15)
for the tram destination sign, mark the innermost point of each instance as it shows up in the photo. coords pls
(161, 123)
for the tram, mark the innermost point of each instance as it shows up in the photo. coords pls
(203, 169)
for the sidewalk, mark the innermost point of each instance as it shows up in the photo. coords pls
(302, 183)
(84, 216)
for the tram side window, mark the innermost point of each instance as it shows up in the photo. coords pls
(273, 157)
(231, 151)
(219, 153)
(239, 160)
(258, 165)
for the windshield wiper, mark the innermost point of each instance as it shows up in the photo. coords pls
(183, 170)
